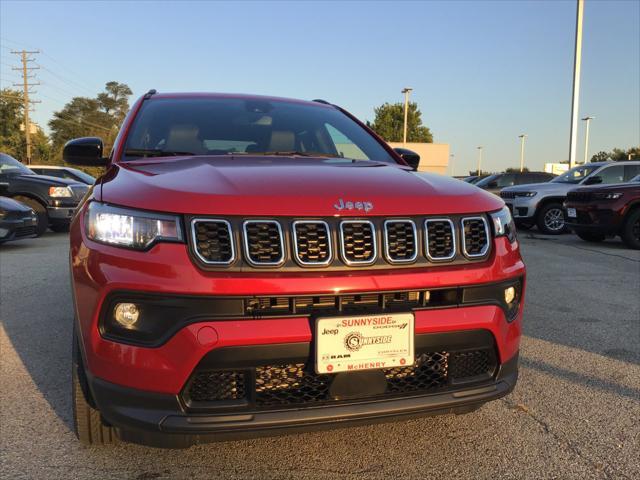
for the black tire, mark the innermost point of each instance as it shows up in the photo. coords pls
(41, 212)
(631, 230)
(59, 227)
(87, 422)
(591, 236)
(550, 219)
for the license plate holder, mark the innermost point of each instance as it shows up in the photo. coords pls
(571, 213)
(364, 342)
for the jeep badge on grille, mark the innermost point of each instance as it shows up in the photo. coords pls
(364, 206)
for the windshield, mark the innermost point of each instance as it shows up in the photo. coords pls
(576, 174)
(485, 181)
(9, 165)
(234, 126)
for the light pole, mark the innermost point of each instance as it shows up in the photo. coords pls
(406, 92)
(577, 61)
(479, 160)
(451, 163)
(586, 138)
(522, 137)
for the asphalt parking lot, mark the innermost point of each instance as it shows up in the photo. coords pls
(574, 414)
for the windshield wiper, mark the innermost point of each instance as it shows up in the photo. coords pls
(296, 153)
(140, 152)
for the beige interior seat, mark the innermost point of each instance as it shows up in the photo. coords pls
(184, 138)
(282, 141)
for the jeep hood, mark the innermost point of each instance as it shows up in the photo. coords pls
(289, 186)
(546, 187)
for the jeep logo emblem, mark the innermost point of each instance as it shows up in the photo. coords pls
(362, 206)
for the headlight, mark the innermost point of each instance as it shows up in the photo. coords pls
(3, 213)
(60, 192)
(526, 194)
(130, 228)
(503, 225)
(607, 196)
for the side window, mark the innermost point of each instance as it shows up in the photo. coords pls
(613, 174)
(631, 171)
(344, 146)
(525, 178)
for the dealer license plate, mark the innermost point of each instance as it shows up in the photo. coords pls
(571, 212)
(365, 342)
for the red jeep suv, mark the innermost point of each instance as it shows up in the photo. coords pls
(253, 265)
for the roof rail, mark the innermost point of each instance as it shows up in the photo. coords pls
(153, 91)
(319, 100)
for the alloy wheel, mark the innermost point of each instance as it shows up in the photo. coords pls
(554, 219)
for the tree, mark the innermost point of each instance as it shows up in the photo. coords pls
(12, 137)
(617, 155)
(91, 117)
(600, 157)
(389, 123)
(515, 170)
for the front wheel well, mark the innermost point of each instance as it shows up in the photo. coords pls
(546, 201)
(16, 196)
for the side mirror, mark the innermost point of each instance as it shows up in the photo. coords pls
(409, 156)
(593, 180)
(85, 151)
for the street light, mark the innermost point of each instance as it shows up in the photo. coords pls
(451, 163)
(479, 160)
(406, 92)
(522, 137)
(586, 137)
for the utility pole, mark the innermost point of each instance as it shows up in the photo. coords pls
(24, 54)
(577, 62)
(406, 92)
(451, 163)
(522, 137)
(479, 161)
(586, 138)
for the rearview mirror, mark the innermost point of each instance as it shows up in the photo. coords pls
(85, 151)
(409, 156)
(593, 180)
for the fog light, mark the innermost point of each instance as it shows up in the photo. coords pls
(126, 314)
(509, 295)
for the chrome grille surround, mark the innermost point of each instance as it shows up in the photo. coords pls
(463, 235)
(454, 246)
(374, 247)
(387, 254)
(247, 245)
(194, 236)
(296, 252)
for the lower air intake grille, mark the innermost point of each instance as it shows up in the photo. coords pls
(217, 386)
(263, 242)
(440, 239)
(475, 236)
(358, 242)
(296, 385)
(312, 242)
(400, 241)
(213, 241)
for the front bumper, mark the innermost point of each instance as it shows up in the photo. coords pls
(591, 218)
(16, 228)
(522, 208)
(163, 420)
(61, 214)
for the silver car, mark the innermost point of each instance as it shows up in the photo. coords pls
(541, 203)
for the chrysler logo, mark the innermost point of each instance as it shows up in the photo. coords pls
(363, 206)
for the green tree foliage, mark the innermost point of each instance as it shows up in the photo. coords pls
(617, 155)
(91, 117)
(389, 123)
(515, 170)
(12, 138)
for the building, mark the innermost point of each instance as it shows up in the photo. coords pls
(556, 168)
(434, 157)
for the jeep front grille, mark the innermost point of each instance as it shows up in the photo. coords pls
(358, 239)
(213, 241)
(475, 237)
(263, 242)
(440, 239)
(400, 241)
(312, 242)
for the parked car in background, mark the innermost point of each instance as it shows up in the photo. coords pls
(541, 203)
(496, 182)
(53, 199)
(63, 172)
(597, 212)
(17, 220)
(473, 178)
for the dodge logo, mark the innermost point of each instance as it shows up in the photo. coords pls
(363, 206)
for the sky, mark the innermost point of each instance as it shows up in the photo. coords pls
(483, 72)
